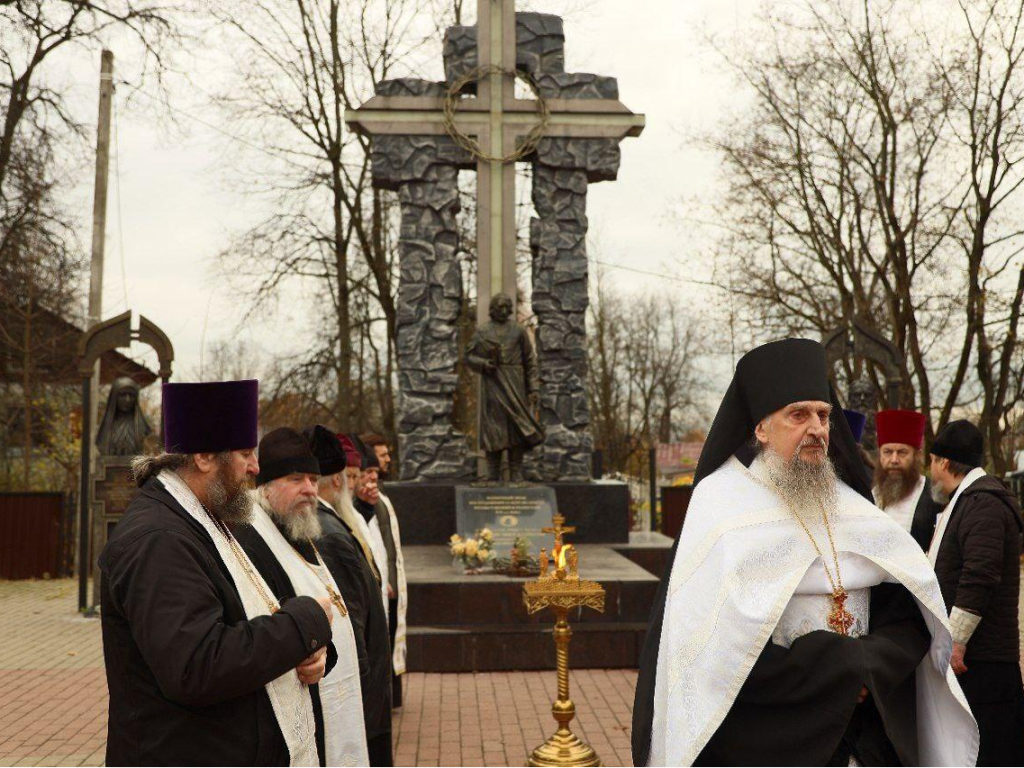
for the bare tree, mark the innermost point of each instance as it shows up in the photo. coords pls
(39, 270)
(645, 372)
(299, 65)
(861, 184)
(40, 261)
(34, 31)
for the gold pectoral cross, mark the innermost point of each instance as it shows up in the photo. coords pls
(840, 620)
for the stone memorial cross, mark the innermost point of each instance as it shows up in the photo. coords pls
(423, 134)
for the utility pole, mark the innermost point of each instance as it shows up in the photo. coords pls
(90, 398)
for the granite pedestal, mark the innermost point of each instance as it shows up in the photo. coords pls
(460, 623)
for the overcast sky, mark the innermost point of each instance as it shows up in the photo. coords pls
(170, 210)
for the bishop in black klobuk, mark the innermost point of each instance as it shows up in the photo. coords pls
(204, 666)
(782, 635)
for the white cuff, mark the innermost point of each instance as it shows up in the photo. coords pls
(962, 624)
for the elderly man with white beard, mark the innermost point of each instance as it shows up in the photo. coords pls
(281, 543)
(798, 624)
(352, 568)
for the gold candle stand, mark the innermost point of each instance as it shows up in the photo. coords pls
(562, 591)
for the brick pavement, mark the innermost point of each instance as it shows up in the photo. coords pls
(53, 697)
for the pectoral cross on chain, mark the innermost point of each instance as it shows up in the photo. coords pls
(839, 619)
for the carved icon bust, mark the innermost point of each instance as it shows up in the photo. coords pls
(124, 426)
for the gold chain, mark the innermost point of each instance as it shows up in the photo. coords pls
(331, 591)
(243, 561)
(837, 582)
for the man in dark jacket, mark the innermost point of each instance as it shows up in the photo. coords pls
(358, 583)
(976, 554)
(192, 641)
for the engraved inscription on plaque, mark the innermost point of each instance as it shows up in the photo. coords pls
(114, 488)
(508, 512)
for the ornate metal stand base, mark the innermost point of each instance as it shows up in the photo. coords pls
(564, 748)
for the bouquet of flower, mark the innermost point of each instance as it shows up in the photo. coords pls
(473, 553)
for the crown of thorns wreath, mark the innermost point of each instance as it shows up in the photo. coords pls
(525, 146)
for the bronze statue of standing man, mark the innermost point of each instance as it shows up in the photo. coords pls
(502, 353)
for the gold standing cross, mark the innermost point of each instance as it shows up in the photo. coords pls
(558, 529)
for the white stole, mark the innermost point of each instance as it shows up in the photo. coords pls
(340, 693)
(943, 519)
(398, 654)
(289, 698)
(740, 559)
(380, 554)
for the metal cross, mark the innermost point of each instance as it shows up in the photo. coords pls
(558, 529)
(497, 119)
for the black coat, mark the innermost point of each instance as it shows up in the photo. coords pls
(922, 528)
(978, 566)
(355, 576)
(185, 669)
(270, 568)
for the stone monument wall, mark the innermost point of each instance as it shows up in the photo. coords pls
(424, 171)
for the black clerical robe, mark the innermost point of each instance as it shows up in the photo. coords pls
(185, 668)
(799, 706)
(273, 573)
(922, 527)
(347, 562)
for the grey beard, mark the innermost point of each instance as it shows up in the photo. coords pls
(896, 486)
(300, 522)
(346, 503)
(806, 489)
(939, 496)
(337, 499)
(231, 510)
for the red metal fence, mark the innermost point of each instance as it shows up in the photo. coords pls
(32, 535)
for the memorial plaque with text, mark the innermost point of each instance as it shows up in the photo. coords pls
(509, 512)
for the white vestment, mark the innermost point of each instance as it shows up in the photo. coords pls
(741, 558)
(380, 556)
(340, 695)
(398, 654)
(289, 698)
(903, 510)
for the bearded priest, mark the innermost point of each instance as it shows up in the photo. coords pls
(205, 666)
(281, 542)
(352, 568)
(900, 488)
(799, 624)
